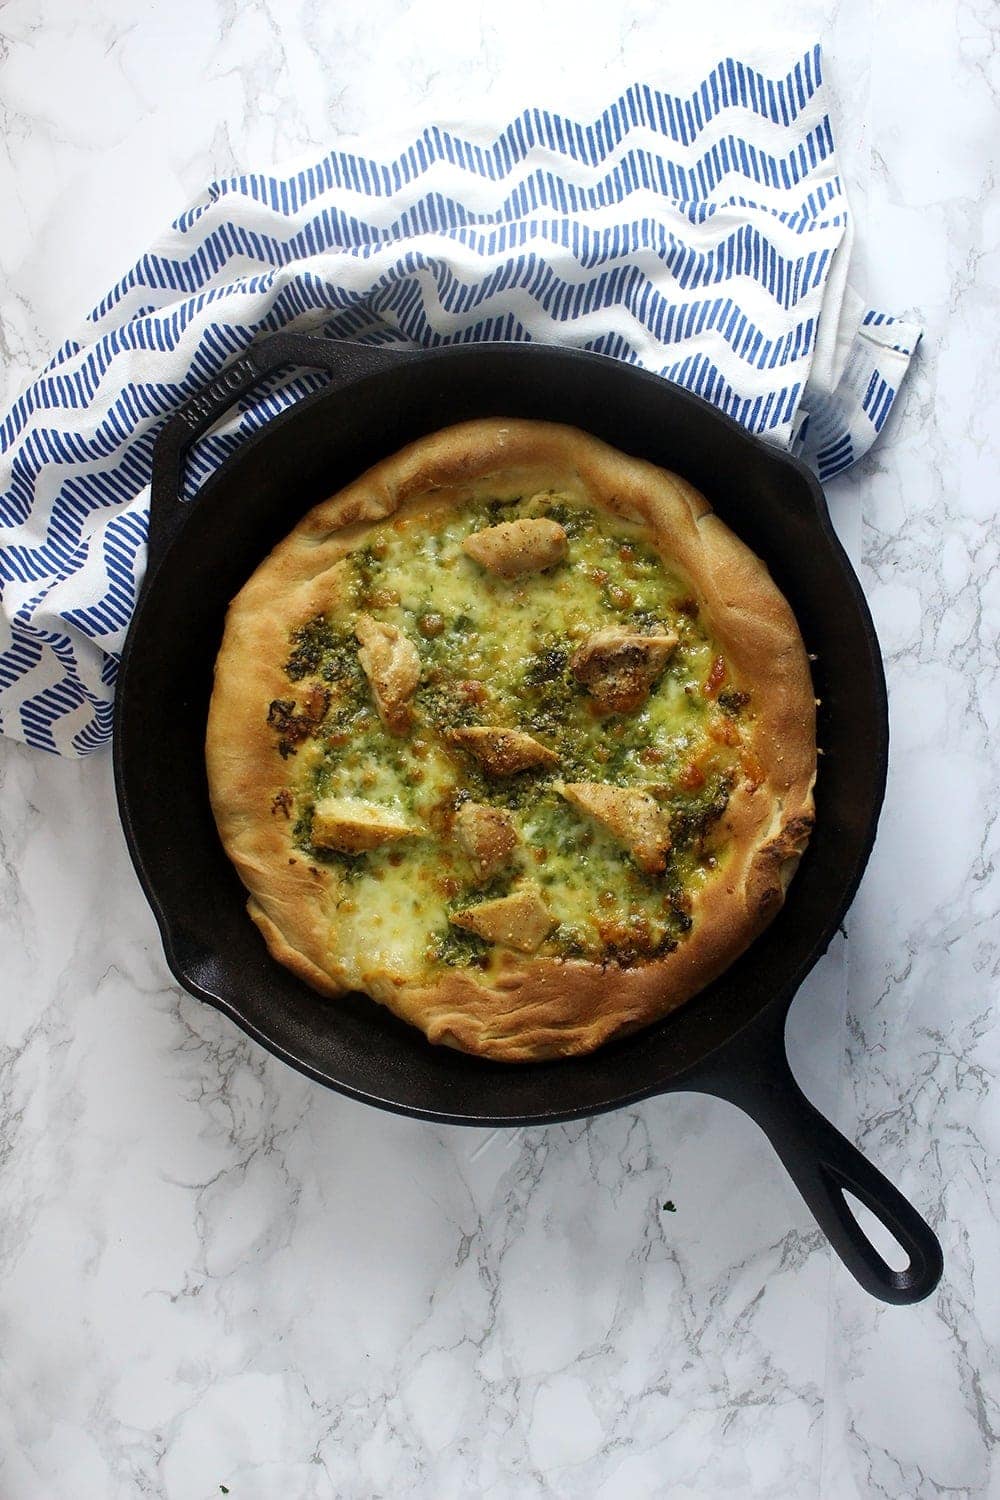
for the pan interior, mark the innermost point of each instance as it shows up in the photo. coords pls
(165, 683)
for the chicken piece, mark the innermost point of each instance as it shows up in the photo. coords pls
(351, 826)
(618, 667)
(630, 815)
(390, 662)
(521, 920)
(488, 836)
(502, 752)
(517, 547)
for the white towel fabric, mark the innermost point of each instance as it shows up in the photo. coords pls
(704, 235)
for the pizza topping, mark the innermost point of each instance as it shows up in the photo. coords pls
(722, 730)
(488, 836)
(390, 662)
(470, 690)
(699, 810)
(551, 655)
(502, 752)
(283, 800)
(521, 920)
(630, 815)
(692, 777)
(546, 666)
(293, 725)
(308, 643)
(517, 547)
(282, 717)
(512, 738)
(733, 702)
(351, 826)
(316, 703)
(630, 938)
(715, 678)
(618, 667)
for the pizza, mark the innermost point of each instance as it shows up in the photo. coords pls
(516, 737)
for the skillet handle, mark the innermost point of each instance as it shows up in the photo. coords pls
(281, 351)
(824, 1165)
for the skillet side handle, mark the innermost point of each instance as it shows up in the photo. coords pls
(824, 1165)
(346, 361)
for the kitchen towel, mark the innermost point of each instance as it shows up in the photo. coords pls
(703, 234)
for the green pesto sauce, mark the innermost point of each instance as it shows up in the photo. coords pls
(496, 651)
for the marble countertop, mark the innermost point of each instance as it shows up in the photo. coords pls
(215, 1275)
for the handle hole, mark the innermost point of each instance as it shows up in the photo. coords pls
(871, 1226)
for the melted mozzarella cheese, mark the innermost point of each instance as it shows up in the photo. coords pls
(494, 651)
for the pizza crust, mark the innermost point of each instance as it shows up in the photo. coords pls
(541, 1007)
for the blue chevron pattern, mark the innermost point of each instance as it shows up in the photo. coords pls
(692, 233)
(731, 84)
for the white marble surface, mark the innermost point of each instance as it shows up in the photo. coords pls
(213, 1273)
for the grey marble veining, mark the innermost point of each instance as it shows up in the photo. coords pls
(922, 1042)
(212, 1272)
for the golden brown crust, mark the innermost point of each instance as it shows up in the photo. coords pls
(540, 1007)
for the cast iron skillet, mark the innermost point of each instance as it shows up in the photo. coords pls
(729, 1041)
